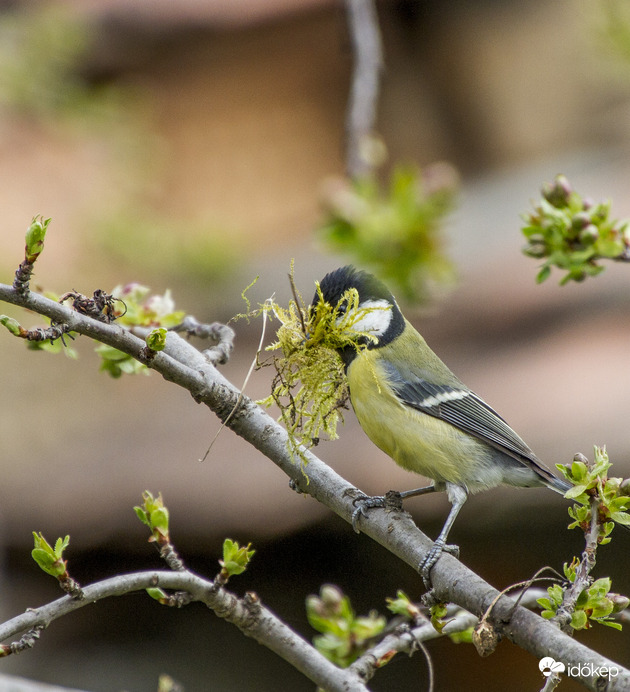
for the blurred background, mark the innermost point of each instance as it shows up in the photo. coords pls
(191, 146)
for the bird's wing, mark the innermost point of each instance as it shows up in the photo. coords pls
(459, 407)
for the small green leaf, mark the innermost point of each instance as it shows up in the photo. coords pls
(142, 515)
(579, 621)
(601, 609)
(576, 491)
(556, 593)
(61, 544)
(366, 627)
(159, 520)
(601, 586)
(438, 613)
(43, 559)
(543, 274)
(117, 363)
(579, 471)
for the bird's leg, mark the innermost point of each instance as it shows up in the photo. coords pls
(457, 495)
(392, 499)
(419, 491)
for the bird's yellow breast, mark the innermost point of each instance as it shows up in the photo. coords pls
(414, 440)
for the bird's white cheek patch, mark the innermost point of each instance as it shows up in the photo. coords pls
(377, 320)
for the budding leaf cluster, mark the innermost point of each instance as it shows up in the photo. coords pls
(573, 233)
(344, 635)
(398, 230)
(235, 558)
(48, 558)
(591, 481)
(35, 236)
(146, 310)
(141, 310)
(403, 605)
(596, 603)
(155, 515)
(136, 308)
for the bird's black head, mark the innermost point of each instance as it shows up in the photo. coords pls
(386, 324)
(337, 282)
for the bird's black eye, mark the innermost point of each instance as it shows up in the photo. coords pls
(342, 308)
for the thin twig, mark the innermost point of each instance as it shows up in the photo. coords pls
(582, 580)
(368, 63)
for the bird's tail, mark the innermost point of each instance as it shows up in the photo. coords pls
(558, 484)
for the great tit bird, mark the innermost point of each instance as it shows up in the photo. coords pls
(420, 414)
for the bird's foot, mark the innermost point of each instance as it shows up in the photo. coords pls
(434, 555)
(391, 500)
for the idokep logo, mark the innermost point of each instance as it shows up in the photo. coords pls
(548, 666)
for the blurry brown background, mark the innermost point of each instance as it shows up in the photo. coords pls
(188, 150)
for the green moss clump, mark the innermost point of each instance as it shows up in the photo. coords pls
(310, 386)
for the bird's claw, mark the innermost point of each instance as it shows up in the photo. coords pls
(452, 550)
(392, 500)
(434, 555)
(362, 504)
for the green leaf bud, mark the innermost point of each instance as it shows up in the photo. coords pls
(619, 602)
(558, 192)
(580, 220)
(156, 339)
(235, 558)
(35, 235)
(12, 325)
(589, 234)
(331, 595)
(156, 593)
(535, 250)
